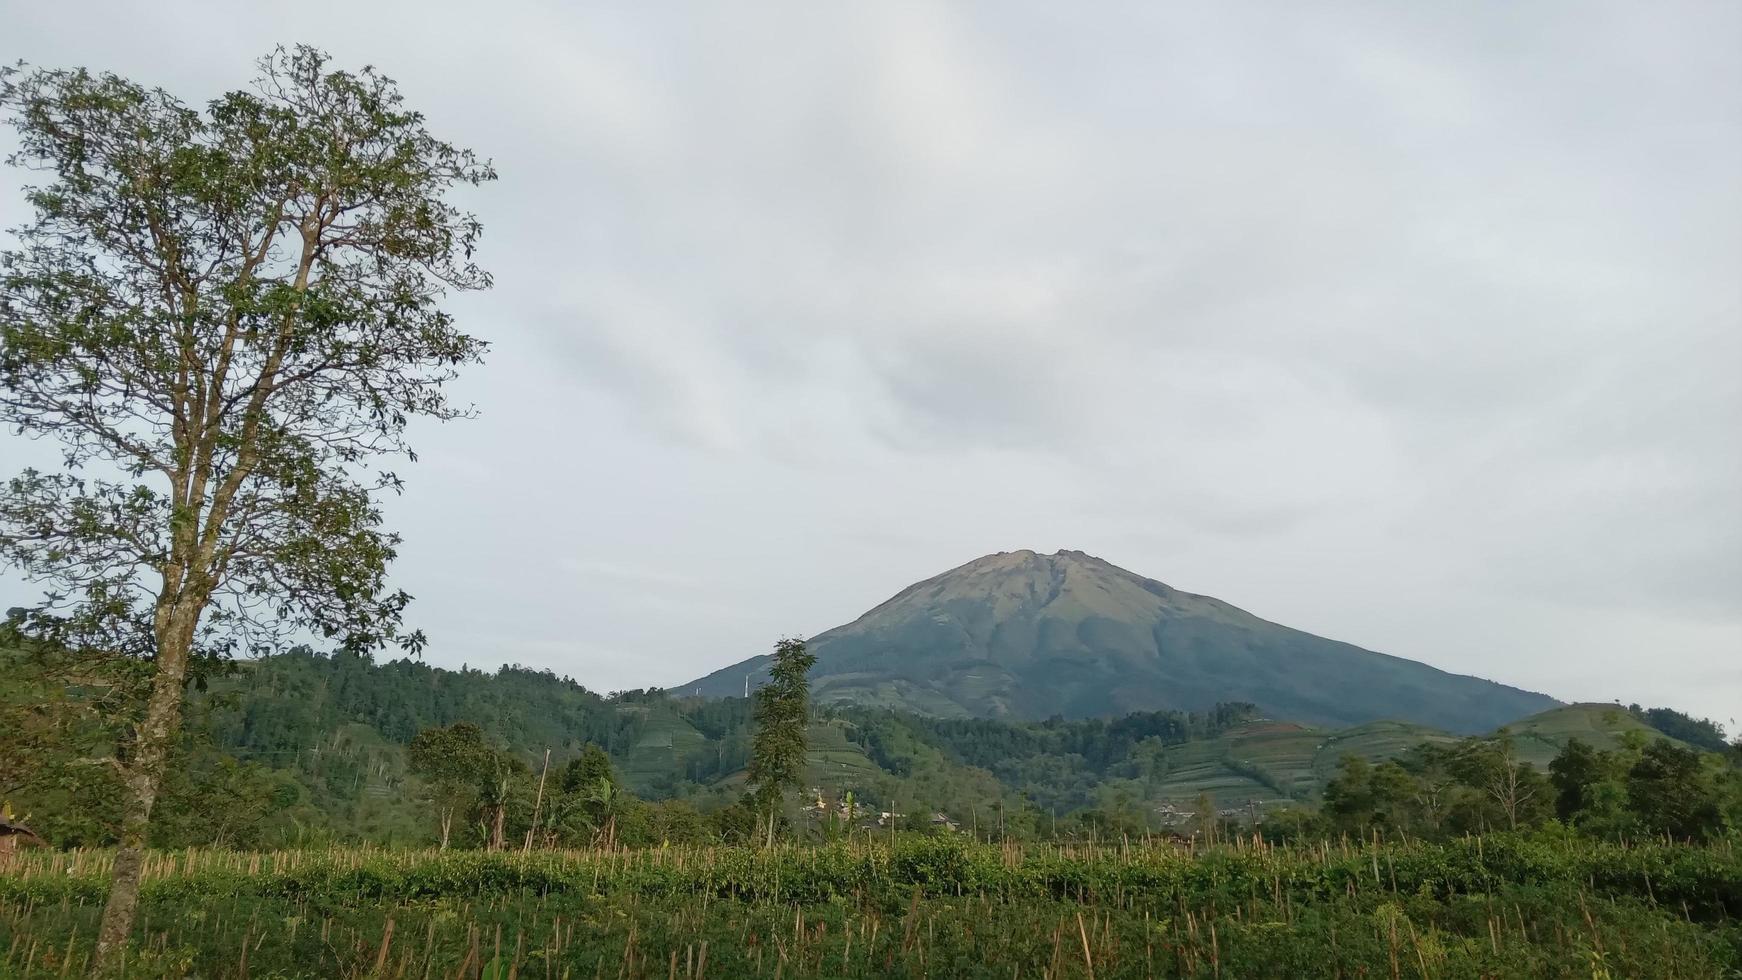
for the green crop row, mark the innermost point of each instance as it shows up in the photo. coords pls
(1705, 882)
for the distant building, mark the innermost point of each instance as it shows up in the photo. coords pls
(14, 833)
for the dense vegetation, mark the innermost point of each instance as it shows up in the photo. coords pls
(1496, 906)
(1700, 732)
(932, 846)
(308, 749)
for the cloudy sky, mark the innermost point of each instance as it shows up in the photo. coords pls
(1417, 326)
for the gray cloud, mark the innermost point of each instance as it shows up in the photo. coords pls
(1414, 326)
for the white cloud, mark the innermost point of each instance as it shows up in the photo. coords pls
(1414, 326)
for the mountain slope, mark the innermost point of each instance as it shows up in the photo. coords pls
(1024, 635)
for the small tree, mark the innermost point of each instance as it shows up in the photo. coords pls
(1574, 773)
(1206, 817)
(593, 792)
(1516, 789)
(585, 770)
(782, 723)
(1349, 794)
(1671, 792)
(1434, 787)
(224, 317)
(455, 761)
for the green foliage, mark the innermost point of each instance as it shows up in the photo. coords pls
(1673, 792)
(1501, 905)
(1365, 797)
(224, 316)
(327, 739)
(1699, 732)
(1506, 792)
(589, 770)
(1638, 790)
(467, 776)
(228, 319)
(782, 725)
(458, 754)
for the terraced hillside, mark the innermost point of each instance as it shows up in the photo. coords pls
(834, 763)
(1540, 737)
(1268, 762)
(664, 741)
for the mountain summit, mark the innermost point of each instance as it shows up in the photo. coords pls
(1026, 635)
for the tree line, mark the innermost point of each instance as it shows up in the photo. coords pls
(1645, 787)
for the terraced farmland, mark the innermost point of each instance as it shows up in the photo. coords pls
(1269, 762)
(834, 763)
(1540, 737)
(666, 739)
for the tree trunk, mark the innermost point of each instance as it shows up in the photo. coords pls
(538, 805)
(447, 824)
(153, 740)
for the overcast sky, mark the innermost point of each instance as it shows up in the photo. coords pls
(1413, 325)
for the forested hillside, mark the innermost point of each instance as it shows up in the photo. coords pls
(312, 747)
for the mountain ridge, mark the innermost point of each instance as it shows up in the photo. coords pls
(1026, 635)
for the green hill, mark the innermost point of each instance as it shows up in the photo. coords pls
(1021, 635)
(1540, 737)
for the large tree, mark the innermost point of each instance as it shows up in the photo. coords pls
(782, 722)
(226, 317)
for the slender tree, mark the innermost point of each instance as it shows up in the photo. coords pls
(1574, 772)
(782, 719)
(226, 317)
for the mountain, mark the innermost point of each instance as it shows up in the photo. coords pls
(1024, 635)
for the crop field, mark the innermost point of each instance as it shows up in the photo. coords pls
(1600, 726)
(665, 740)
(1276, 761)
(919, 906)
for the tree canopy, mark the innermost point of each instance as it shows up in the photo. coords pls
(226, 317)
(782, 720)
